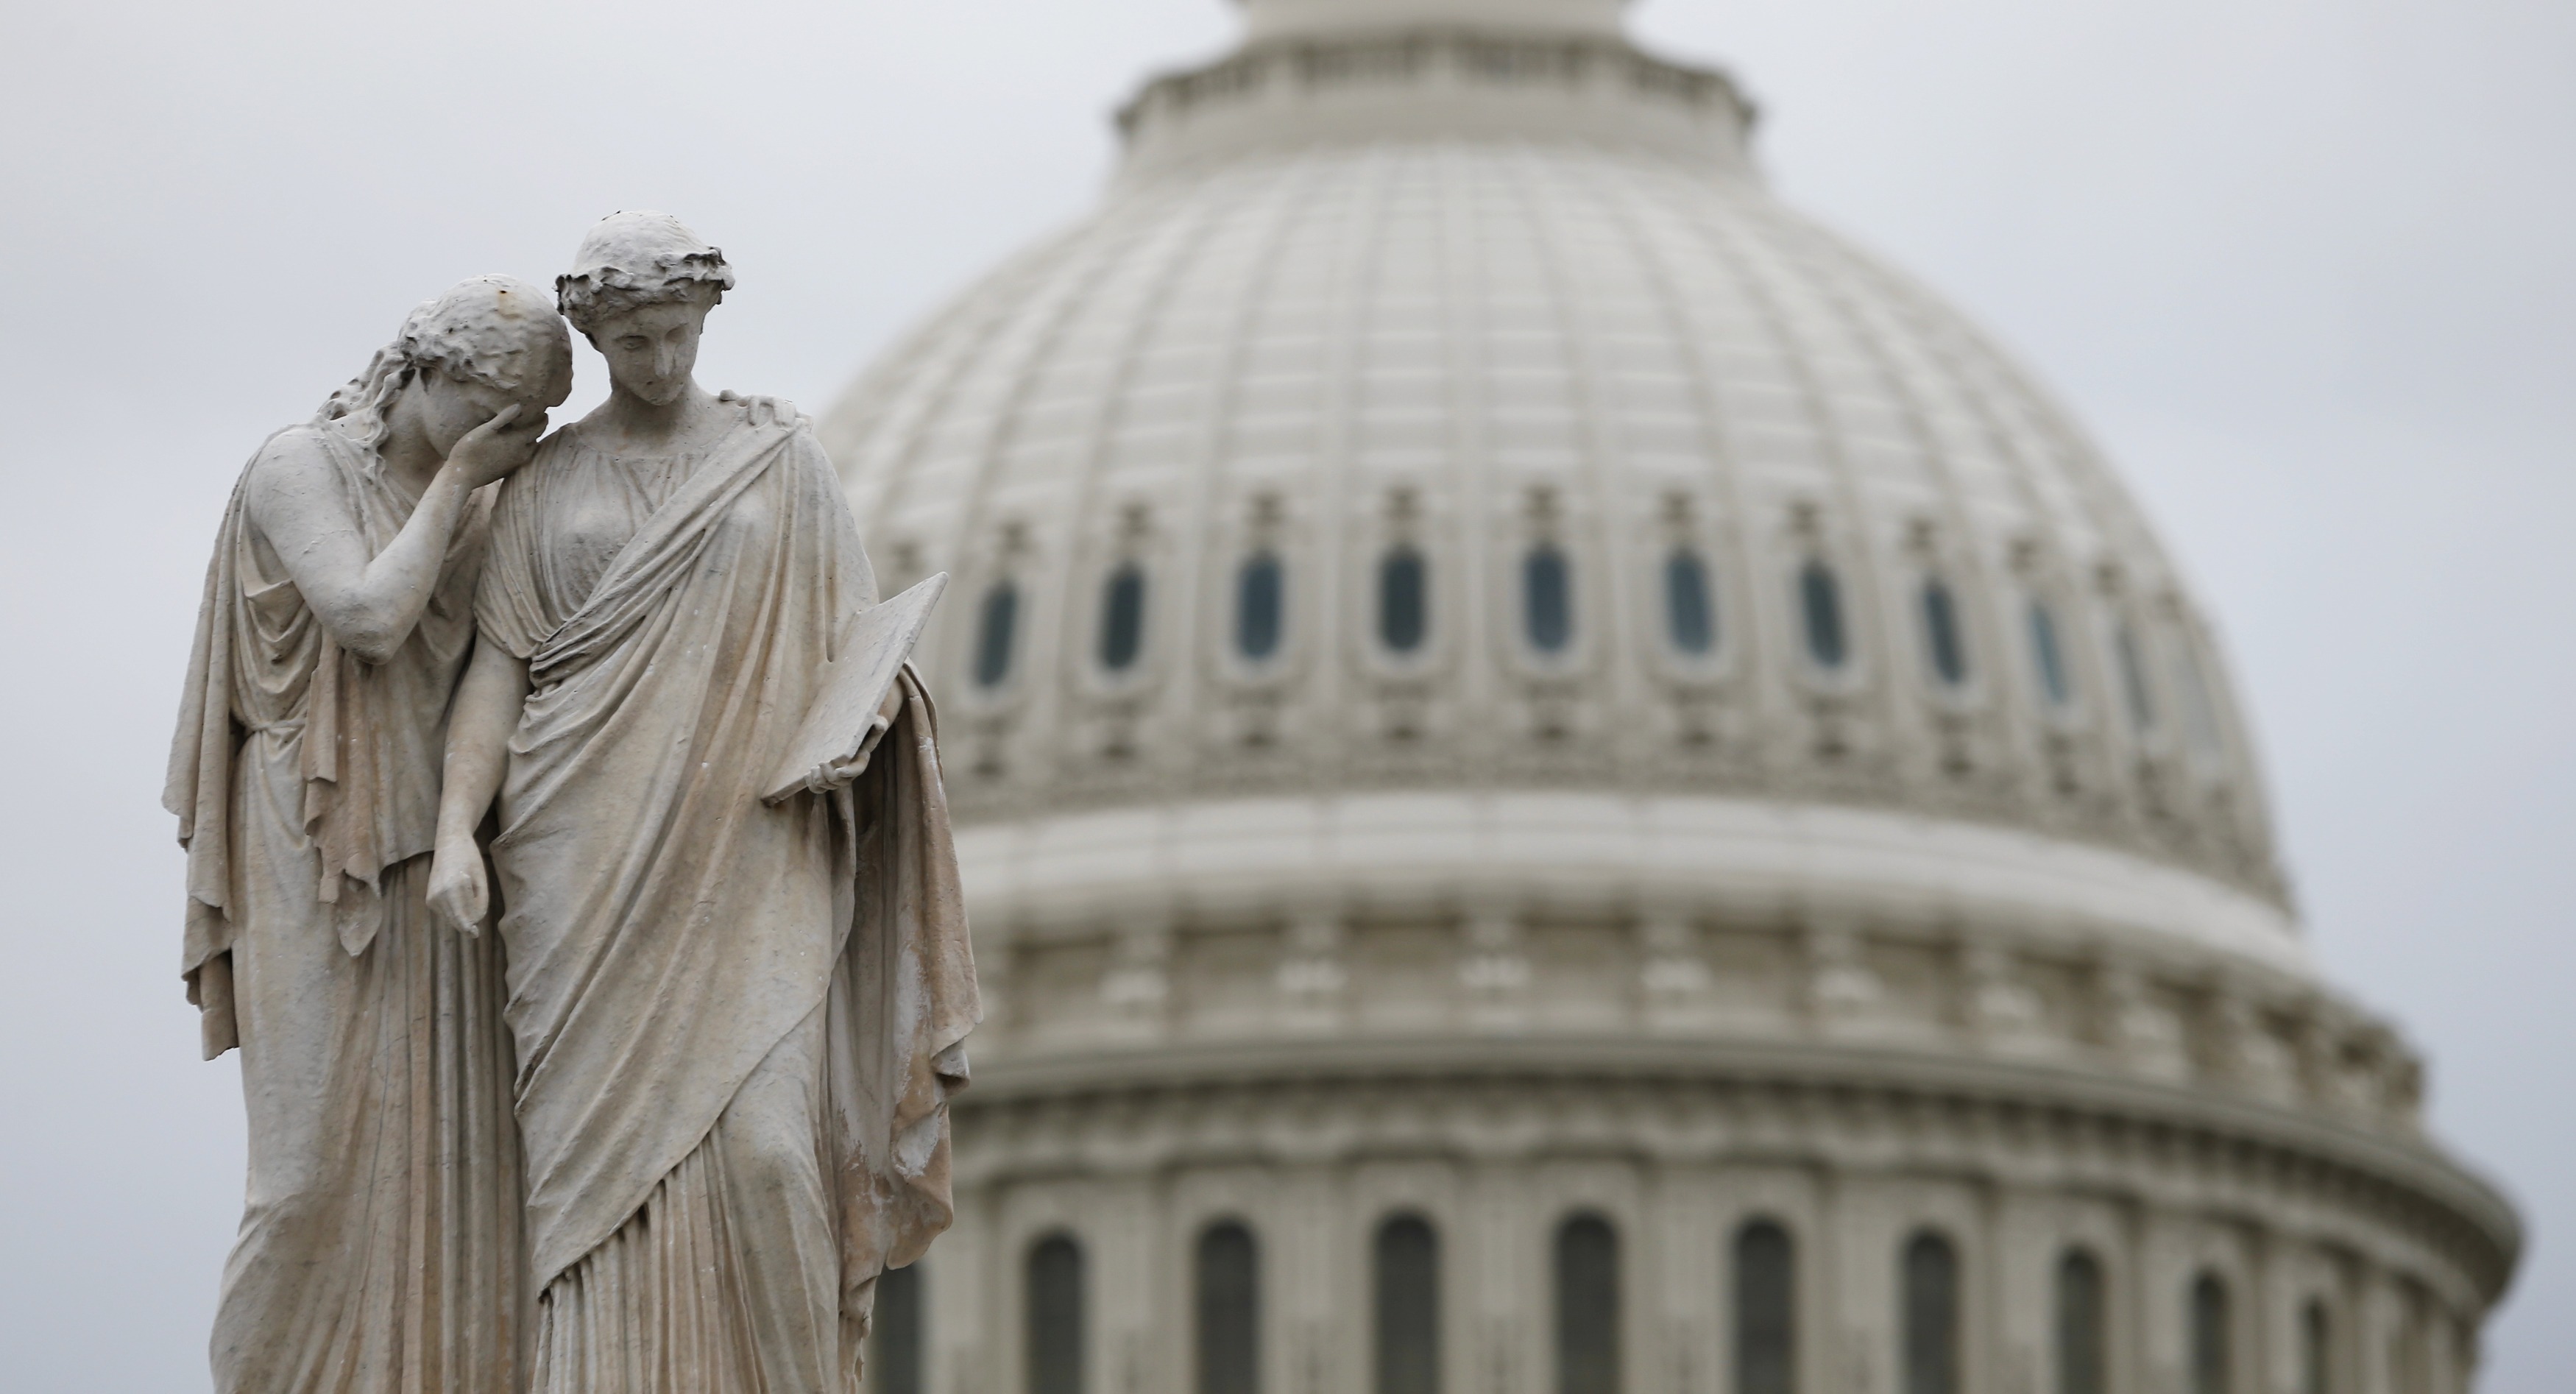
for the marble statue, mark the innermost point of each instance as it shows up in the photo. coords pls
(657, 1125)
(737, 1023)
(380, 1245)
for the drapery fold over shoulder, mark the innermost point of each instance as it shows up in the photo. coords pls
(666, 929)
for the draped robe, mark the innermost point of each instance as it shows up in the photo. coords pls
(380, 1244)
(737, 1024)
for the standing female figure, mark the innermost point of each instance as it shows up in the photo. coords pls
(738, 1023)
(380, 1242)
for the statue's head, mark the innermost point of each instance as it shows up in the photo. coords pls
(488, 344)
(639, 290)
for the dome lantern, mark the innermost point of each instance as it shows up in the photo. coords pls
(1317, 72)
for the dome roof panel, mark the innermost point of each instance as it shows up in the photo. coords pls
(1467, 350)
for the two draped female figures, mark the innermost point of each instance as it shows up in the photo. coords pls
(574, 1065)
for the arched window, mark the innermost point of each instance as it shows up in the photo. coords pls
(1820, 608)
(1690, 612)
(996, 622)
(1057, 1317)
(2209, 1362)
(2082, 1360)
(1587, 1306)
(1406, 1275)
(1403, 599)
(2048, 656)
(2133, 678)
(1260, 602)
(2316, 1350)
(1122, 618)
(894, 1334)
(1942, 641)
(1229, 1310)
(1931, 1316)
(1547, 599)
(1766, 1310)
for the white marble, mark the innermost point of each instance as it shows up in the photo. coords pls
(380, 1238)
(659, 1124)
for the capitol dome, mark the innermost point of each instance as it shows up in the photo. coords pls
(1508, 697)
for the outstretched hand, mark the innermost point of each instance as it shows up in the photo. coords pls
(498, 446)
(459, 894)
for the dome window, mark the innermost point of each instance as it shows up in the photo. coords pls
(2048, 656)
(1547, 599)
(1690, 612)
(2083, 1360)
(1260, 604)
(996, 623)
(1587, 1307)
(1058, 1321)
(2133, 679)
(1766, 1310)
(1403, 599)
(1122, 618)
(1946, 647)
(1229, 1310)
(1406, 1292)
(1931, 1316)
(1820, 607)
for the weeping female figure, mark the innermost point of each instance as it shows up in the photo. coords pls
(380, 1246)
(738, 1021)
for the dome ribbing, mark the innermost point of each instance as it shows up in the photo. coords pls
(1324, 348)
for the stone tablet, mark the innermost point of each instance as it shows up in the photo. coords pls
(847, 715)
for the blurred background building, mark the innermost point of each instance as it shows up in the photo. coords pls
(1569, 786)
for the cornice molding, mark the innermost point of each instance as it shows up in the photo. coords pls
(1178, 1105)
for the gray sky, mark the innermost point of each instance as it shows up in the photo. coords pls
(2304, 265)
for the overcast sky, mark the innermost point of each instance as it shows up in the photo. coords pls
(2308, 267)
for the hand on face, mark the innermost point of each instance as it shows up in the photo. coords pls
(498, 446)
(486, 432)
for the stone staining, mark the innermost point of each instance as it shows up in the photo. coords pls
(337, 612)
(673, 1139)
(1693, 787)
(684, 1191)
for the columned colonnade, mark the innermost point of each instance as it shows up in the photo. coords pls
(2218, 1266)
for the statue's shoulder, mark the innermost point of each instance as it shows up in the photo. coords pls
(773, 421)
(297, 458)
(304, 445)
(756, 410)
